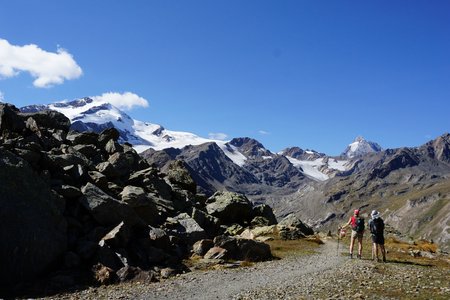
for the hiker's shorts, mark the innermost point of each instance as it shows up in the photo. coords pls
(358, 235)
(378, 239)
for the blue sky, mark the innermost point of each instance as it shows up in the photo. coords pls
(313, 74)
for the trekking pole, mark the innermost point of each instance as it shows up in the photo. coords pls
(339, 236)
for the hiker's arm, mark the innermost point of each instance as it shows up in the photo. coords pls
(346, 224)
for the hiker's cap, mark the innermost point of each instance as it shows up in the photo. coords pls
(375, 214)
(356, 212)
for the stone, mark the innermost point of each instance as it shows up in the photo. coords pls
(103, 275)
(234, 229)
(136, 274)
(84, 138)
(216, 253)
(187, 228)
(202, 247)
(34, 231)
(49, 119)
(159, 238)
(107, 169)
(118, 237)
(108, 134)
(105, 209)
(112, 147)
(229, 207)
(98, 179)
(9, 120)
(293, 221)
(69, 191)
(178, 174)
(265, 211)
(142, 204)
(250, 250)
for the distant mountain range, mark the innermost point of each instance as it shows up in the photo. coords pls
(89, 115)
(409, 186)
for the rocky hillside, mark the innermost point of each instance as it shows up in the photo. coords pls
(80, 208)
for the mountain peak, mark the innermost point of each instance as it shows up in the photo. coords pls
(360, 147)
(250, 147)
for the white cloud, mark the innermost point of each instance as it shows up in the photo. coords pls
(49, 68)
(124, 101)
(263, 132)
(218, 136)
(2, 97)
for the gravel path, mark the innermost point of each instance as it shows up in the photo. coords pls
(236, 283)
(324, 275)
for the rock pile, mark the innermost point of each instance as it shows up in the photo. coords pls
(81, 202)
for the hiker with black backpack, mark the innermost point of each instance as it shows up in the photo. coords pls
(357, 224)
(376, 225)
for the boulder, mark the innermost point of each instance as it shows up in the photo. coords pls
(265, 211)
(108, 134)
(142, 204)
(136, 274)
(112, 147)
(202, 247)
(118, 237)
(105, 209)
(293, 221)
(159, 238)
(9, 120)
(210, 223)
(49, 119)
(34, 231)
(250, 250)
(124, 163)
(107, 169)
(84, 138)
(103, 275)
(186, 228)
(217, 253)
(229, 207)
(178, 174)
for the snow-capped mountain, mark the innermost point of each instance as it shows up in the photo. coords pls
(361, 147)
(89, 115)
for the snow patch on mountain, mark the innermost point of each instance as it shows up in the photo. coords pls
(312, 168)
(232, 152)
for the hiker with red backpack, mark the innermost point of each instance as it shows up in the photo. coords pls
(376, 225)
(357, 224)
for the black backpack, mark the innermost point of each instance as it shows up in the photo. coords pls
(377, 227)
(359, 225)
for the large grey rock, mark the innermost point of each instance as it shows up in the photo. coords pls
(250, 250)
(118, 237)
(294, 222)
(9, 120)
(178, 174)
(202, 247)
(49, 119)
(186, 228)
(229, 207)
(33, 231)
(265, 211)
(105, 209)
(142, 204)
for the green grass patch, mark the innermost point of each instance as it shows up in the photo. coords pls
(285, 248)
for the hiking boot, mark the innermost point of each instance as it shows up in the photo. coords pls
(359, 256)
(384, 259)
(351, 255)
